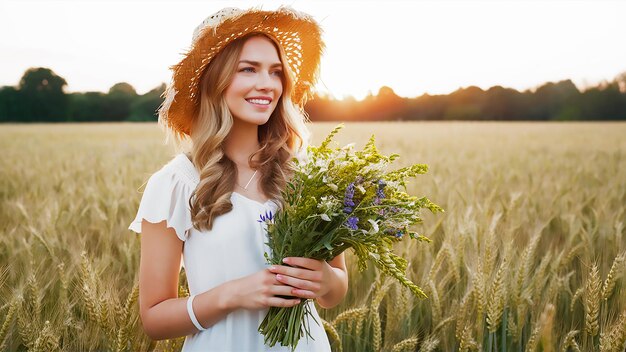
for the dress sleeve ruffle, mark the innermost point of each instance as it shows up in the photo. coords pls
(166, 197)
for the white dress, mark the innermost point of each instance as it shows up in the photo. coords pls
(232, 249)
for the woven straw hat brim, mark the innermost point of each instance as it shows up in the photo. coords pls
(298, 34)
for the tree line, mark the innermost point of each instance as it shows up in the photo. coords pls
(40, 97)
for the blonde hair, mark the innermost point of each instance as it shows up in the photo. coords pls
(283, 137)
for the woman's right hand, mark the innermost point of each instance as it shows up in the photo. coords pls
(261, 290)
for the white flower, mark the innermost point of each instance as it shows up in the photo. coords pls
(325, 217)
(333, 187)
(379, 166)
(374, 226)
(348, 146)
(326, 204)
(361, 188)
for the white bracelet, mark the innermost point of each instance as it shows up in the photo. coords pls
(192, 315)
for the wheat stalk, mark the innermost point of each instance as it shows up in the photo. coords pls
(511, 327)
(570, 341)
(575, 298)
(615, 339)
(47, 340)
(360, 322)
(26, 327)
(86, 282)
(495, 304)
(467, 342)
(531, 345)
(526, 261)
(353, 314)
(616, 271)
(479, 288)
(407, 345)
(547, 323)
(124, 331)
(592, 301)
(377, 338)
(430, 344)
(333, 335)
(436, 304)
(33, 296)
(7, 320)
(461, 315)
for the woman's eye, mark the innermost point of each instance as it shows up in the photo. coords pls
(247, 69)
(278, 73)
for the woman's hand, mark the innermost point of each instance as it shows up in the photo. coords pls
(308, 278)
(259, 291)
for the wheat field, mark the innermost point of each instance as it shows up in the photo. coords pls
(530, 254)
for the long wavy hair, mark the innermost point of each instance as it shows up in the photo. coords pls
(281, 138)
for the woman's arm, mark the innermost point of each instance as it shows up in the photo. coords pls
(326, 282)
(164, 315)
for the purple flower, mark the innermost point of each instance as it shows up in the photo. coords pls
(397, 233)
(348, 199)
(268, 217)
(352, 223)
(379, 192)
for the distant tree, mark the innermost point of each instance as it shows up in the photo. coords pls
(604, 102)
(471, 95)
(550, 98)
(120, 97)
(504, 104)
(43, 96)
(89, 106)
(11, 104)
(144, 107)
(428, 107)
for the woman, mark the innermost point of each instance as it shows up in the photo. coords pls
(236, 101)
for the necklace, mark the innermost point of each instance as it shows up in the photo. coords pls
(246, 188)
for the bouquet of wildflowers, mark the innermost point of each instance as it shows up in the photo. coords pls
(340, 199)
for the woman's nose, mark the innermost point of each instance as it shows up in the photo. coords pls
(264, 81)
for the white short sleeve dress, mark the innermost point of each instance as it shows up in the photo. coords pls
(232, 249)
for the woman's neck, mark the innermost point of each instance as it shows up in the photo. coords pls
(242, 141)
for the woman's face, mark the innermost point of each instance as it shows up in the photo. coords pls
(256, 85)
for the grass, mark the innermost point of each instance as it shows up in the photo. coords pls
(529, 256)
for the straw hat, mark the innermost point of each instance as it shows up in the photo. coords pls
(297, 32)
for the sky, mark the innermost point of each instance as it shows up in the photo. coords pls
(414, 47)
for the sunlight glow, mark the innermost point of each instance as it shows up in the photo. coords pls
(413, 47)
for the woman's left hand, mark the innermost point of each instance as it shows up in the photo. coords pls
(310, 278)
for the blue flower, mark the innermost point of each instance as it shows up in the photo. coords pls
(348, 201)
(268, 217)
(394, 232)
(352, 223)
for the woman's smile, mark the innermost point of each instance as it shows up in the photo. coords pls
(258, 82)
